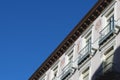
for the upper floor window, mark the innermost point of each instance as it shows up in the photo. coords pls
(107, 64)
(85, 74)
(111, 22)
(108, 28)
(110, 17)
(70, 56)
(88, 41)
(86, 36)
(55, 72)
(109, 14)
(68, 70)
(87, 47)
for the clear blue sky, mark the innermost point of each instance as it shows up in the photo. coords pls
(31, 29)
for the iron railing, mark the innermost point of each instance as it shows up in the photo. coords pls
(65, 71)
(84, 53)
(106, 32)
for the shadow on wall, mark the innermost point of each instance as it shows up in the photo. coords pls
(111, 71)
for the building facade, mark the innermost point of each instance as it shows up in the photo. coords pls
(91, 51)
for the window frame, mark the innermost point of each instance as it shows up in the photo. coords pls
(86, 73)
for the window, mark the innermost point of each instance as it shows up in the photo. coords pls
(55, 71)
(86, 50)
(70, 56)
(110, 19)
(88, 42)
(108, 30)
(85, 74)
(107, 64)
(111, 22)
(86, 37)
(68, 70)
(109, 14)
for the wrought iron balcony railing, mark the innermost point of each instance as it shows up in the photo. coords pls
(84, 53)
(67, 70)
(106, 32)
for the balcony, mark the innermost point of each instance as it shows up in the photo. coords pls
(106, 33)
(84, 53)
(108, 72)
(67, 71)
